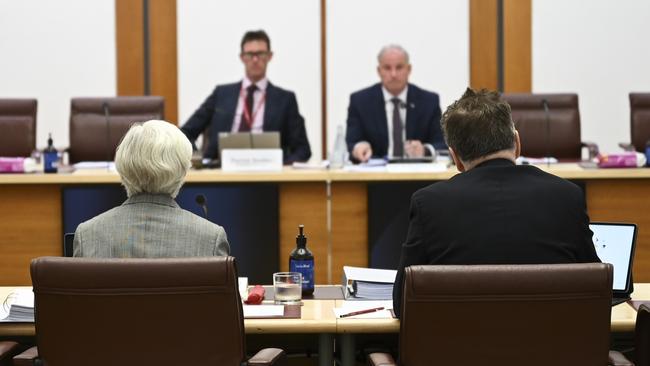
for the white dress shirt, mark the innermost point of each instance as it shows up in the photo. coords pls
(258, 103)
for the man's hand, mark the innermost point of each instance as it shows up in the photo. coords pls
(414, 149)
(362, 151)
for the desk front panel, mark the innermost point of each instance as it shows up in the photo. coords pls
(31, 212)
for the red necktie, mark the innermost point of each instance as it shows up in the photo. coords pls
(244, 125)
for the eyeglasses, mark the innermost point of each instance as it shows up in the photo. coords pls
(262, 55)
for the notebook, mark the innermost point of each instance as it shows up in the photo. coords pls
(615, 243)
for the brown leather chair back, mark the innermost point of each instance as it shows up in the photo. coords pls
(530, 120)
(640, 120)
(18, 125)
(642, 336)
(93, 138)
(172, 311)
(506, 314)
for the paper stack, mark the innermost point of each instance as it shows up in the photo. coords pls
(368, 283)
(21, 306)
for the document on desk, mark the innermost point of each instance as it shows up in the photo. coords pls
(18, 306)
(366, 310)
(263, 311)
(368, 283)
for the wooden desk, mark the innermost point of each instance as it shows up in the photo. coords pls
(317, 317)
(333, 205)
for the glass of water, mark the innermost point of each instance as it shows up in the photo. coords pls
(287, 287)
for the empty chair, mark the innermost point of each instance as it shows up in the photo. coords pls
(18, 125)
(98, 124)
(640, 120)
(560, 138)
(178, 311)
(505, 315)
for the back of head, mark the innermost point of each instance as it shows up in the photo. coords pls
(478, 124)
(153, 157)
(257, 35)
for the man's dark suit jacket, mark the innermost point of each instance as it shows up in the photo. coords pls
(367, 119)
(280, 114)
(497, 213)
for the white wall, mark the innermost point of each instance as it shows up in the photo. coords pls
(598, 49)
(55, 50)
(435, 33)
(209, 35)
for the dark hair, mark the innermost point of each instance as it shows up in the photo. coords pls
(258, 35)
(478, 124)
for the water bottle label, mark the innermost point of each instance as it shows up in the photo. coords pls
(50, 161)
(306, 268)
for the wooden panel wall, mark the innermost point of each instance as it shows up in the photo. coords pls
(517, 34)
(517, 49)
(130, 45)
(129, 33)
(483, 34)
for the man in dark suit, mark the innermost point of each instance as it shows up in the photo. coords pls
(393, 118)
(251, 105)
(493, 212)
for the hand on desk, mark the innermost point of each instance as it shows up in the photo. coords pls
(413, 148)
(362, 151)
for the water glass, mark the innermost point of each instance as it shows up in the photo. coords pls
(288, 287)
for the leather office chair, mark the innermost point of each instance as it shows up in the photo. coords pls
(7, 350)
(641, 337)
(93, 138)
(18, 124)
(640, 120)
(563, 128)
(505, 315)
(172, 311)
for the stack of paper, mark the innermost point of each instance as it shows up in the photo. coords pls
(21, 306)
(368, 283)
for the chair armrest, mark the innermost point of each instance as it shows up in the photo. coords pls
(617, 359)
(7, 350)
(267, 356)
(626, 146)
(27, 358)
(592, 148)
(381, 359)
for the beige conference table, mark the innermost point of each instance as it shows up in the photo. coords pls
(317, 317)
(333, 206)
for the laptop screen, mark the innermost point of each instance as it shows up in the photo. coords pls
(614, 244)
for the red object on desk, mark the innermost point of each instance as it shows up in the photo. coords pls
(255, 295)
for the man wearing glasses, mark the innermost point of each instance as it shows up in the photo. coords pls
(252, 105)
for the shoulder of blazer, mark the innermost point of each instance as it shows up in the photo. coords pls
(232, 88)
(367, 94)
(417, 93)
(273, 91)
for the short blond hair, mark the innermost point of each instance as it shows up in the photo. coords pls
(153, 157)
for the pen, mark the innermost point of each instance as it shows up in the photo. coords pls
(362, 312)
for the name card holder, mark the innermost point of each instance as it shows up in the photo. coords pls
(251, 160)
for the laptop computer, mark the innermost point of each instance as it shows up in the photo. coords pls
(248, 140)
(615, 244)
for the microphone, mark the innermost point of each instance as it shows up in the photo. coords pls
(203, 202)
(107, 115)
(547, 116)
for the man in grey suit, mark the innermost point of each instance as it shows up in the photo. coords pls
(152, 160)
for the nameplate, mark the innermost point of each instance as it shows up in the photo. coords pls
(251, 160)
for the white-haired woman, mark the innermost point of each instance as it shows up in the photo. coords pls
(152, 160)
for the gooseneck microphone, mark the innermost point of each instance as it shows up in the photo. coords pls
(203, 202)
(107, 115)
(547, 116)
